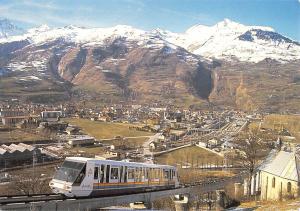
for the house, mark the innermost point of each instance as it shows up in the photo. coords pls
(72, 130)
(278, 177)
(212, 143)
(153, 146)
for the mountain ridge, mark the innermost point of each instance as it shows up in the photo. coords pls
(225, 40)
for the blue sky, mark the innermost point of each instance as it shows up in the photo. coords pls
(173, 15)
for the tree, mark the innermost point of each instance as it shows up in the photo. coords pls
(30, 182)
(252, 147)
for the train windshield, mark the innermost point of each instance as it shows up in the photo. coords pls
(71, 171)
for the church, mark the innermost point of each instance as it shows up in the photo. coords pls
(277, 177)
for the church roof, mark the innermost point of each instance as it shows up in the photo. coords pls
(283, 164)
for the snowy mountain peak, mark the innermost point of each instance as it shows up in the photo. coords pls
(196, 29)
(226, 23)
(39, 29)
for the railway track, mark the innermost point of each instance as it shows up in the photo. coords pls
(15, 199)
(23, 199)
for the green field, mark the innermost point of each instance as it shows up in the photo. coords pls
(109, 130)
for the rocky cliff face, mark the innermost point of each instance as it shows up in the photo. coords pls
(268, 85)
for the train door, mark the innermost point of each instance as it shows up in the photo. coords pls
(148, 175)
(170, 176)
(121, 179)
(101, 173)
(131, 174)
(107, 173)
(96, 176)
(160, 175)
(166, 176)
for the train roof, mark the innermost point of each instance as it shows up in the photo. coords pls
(83, 159)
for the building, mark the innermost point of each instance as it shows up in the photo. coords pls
(8, 113)
(51, 116)
(278, 177)
(81, 140)
(72, 130)
(18, 154)
(13, 117)
(14, 120)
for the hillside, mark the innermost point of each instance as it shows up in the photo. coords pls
(228, 64)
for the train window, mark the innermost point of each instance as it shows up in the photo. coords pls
(130, 173)
(107, 173)
(80, 176)
(114, 174)
(102, 173)
(71, 171)
(141, 174)
(157, 171)
(166, 174)
(96, 171)
(137, 174)
(152, 173)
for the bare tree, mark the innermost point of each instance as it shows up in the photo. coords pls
(252, 147)
(30, 182)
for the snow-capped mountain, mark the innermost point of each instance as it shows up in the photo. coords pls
(126, 63)
(231, 40)
(225, 40)
(9, 29)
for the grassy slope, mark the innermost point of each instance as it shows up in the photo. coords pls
(194, 153)
(291, 122)
(190, 155)
(276, 121)
(271, 205)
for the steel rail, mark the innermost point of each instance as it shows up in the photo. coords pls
(15, 199)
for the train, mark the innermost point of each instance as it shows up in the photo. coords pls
(85, 177)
